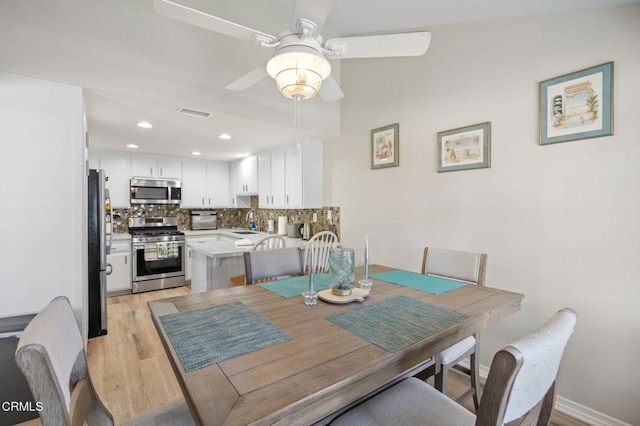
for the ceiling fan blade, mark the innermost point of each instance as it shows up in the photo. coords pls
(330, 90)
(313, 10)
(249, 79)
(209, 22)
(380, 46)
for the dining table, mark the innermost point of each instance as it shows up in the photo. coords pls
(249, 355)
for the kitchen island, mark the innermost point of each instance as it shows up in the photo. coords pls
(216, 256)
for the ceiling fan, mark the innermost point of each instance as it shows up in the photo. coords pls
(299, 64)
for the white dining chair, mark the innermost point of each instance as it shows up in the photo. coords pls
(521, 385)
(51, 356)
(469, 268)
(317, 249)
(270, 242)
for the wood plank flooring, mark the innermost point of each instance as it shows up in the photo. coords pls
(132, 374)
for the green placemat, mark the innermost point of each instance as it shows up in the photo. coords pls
(295, 286)
(428, 283)
(211, 335)
(397, 323)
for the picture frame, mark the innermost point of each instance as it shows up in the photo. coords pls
(385, 149)
(465, 148)
(578, 105)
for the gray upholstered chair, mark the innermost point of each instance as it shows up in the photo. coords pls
(521, 383)
(316, 251)
(469, 268)
(51, 355)
(269, 265)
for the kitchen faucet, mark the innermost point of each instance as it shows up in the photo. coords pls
(249, 215)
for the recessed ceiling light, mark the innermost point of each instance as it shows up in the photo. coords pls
(224, 136)
(132, 145)
(145, 125)
(195, 153)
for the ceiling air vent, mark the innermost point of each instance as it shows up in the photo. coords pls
(195, 112)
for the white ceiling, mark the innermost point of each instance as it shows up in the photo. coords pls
(137, 65)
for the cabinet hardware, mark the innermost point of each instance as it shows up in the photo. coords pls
(125, 260)
(272, 199)
(151, 171)
(287, 198)
(160, 171)
(203, 201)
(209, 200)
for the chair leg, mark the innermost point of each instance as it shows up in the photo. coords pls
(475, 378)
(440, 381)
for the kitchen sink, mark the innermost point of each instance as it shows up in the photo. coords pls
(244, 232)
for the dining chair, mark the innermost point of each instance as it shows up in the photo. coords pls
(317, 249)
(521, 384)
(51, 356)
(270, 265)
(469, 268)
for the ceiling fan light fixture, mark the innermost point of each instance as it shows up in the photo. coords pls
(299, 71)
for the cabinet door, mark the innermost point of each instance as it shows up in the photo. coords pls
(264, 179)
(293, 177)
(169, 168)
(120, 278)
(234, 199)
(217, 184)
(117, 167)
(194, 181)
(278, 171)
(144, 166)
(247, 176)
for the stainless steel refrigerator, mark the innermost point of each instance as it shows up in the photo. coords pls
(98, 248)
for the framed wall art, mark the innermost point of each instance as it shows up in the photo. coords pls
(465, 148)
(577, 105)
(385, 147)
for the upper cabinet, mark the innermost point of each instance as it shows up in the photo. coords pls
(271, 185)
(117, 167)
(156, 167)
(247, 176)
(235, 200)
(205, 184)
(304, 175)
(291, 177)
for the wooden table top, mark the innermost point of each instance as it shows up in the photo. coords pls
(324, 367)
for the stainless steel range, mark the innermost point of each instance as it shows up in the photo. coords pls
(158, 250)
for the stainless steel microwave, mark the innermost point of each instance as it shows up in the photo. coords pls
(156, 191)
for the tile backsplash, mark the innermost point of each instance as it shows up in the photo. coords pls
(234, 218)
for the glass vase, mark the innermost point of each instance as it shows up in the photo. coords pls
(341, 271)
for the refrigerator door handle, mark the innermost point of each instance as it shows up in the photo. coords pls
(109, 269)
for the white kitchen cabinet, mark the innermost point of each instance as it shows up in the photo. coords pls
(119, 281)
(117, 166)
(235, 200)
(247, 176)
(304, 175)
(205, 184)
(271, 181)
(156, 167)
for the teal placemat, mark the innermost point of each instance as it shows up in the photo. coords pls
(397, 323)
(428, 283)
(295, 286)
(211, 335)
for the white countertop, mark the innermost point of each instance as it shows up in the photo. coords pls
(222, 242)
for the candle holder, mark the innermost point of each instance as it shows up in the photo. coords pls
(310, 298)
(365, 284)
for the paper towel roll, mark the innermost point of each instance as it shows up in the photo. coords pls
(282, 225)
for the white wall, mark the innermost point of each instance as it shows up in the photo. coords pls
(561, 223)
(42, 218)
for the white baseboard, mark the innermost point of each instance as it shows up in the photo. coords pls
(569, 407)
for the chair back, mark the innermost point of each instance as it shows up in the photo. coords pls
(522, 377)
(270, 242)
(458, 265)
(51, 356)
(317, 250)
(269, 265)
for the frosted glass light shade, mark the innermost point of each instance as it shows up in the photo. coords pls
(298, 73)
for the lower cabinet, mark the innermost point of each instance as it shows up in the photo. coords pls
(119, 281)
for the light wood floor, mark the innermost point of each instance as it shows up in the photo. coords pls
(132, 374)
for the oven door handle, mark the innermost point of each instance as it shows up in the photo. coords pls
(109, 269)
